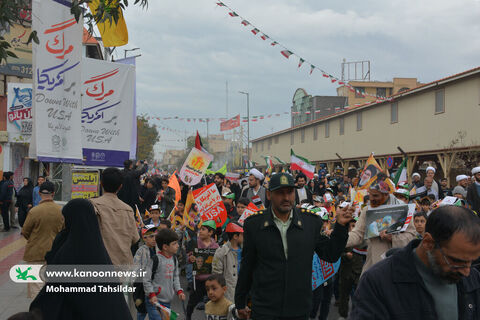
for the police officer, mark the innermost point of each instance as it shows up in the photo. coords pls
(279, 243)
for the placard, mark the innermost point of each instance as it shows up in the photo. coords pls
(107, 112)
(210, 204)
(57, 83)
(85, 184)
(249, 210)
(322, 271)
(195, 166)
(203, 260)
(19, 112)
(391, 218)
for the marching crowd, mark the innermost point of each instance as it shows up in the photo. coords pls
(259, 266)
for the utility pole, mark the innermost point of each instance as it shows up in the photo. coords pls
(248, 122)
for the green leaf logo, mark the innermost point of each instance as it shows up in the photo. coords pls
(23, 275)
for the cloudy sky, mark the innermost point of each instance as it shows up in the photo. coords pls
(191, 48)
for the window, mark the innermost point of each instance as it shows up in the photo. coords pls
(359, 121)
(269, 143)
(342, 126)
(256, 147)
(276, 140)
(440, 101)
(327, 129)
(360, 92)
(315, 132)
(394, 112)
(303, 135)
(262, 145)
(381, 92)
(292, 138)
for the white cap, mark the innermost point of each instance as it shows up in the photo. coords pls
(416, 174)
(431, 168)
(461, 177)
(475, 170)
(257, 174)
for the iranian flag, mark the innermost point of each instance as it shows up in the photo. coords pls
(301, 164)
(286, 53)
(401, 175)
(166, 313)
(279, 160)
(269, 162)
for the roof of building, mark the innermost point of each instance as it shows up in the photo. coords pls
(371, 104)
(88, 38)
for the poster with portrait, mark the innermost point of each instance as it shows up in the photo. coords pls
(203, 260)
(391, 218)
(369, 173)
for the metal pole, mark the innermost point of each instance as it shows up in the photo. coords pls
(248, 126)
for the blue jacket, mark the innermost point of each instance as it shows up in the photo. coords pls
(36, 196)
(393, 289)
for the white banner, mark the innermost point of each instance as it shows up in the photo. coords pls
(57, 82)
(19, 112)
(195, 166)
(107, 111)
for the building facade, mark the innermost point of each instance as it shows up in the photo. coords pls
(425, 122)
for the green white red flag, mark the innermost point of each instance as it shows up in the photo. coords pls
(301, 164)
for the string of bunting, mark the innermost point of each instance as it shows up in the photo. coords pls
(287, 53)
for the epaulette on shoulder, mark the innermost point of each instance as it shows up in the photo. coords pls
(309, 212)
(256, 214)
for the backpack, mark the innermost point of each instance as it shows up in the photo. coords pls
(139, 293)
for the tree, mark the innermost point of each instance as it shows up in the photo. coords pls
(147, 136)
(13, 11)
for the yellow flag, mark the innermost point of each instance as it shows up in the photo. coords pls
(188, 220)
(369, 173)
(113, 35)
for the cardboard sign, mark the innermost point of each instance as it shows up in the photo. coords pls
(322, 271)
(195, 166)
(392, 218)
(233, 177)
(249, 210)
(210, 204)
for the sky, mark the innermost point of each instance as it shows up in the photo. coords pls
(190, 49)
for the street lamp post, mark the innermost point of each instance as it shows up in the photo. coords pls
(248, 122)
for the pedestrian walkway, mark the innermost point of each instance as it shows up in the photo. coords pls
(13, 296)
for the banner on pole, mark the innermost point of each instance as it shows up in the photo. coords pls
(107, 111)
(322, 271)
(19, 112)
(230, 123)
(57, 83)
(210, 205)
(195, 166)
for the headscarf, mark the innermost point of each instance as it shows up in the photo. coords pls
(80, 243)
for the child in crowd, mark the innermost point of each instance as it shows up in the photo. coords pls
(142, 256)
(204, 241)
(419, 220)
(154, 215)
(165, 224)
(227, 258)
(242, 204)
(424, 204)
(219, 307)
(165, 283)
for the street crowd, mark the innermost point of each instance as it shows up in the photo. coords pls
(259, 267)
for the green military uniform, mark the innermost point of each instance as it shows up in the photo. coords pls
(280, 281)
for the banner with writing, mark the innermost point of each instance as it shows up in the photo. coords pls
(85, 184)
(322, 271)
(19, 112)
(195, 166)
(210, 205)
(249, 210)
(107, 111)
(57, 83)
(230, 123)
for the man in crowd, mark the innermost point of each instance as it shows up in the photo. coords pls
(302, 192)
(36, 195)
(115, 218)
(255, 187)
(219, 180)
(130, 191)
(444, 185)
(379, 194)
(276, 266)
(431, 278)
(428, 183)
(42, 225)
(416, 182)
(460, 189)
(473, 191)
(6, 194)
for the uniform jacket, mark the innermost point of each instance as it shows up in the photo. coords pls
(6, 191)
(278, 286)
(42, 225)
(376, 246)
(393, 289)
(225, 262)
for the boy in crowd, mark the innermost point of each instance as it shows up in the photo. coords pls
(227, 258)
(154, 215)
(242, 204)
(165, 283)
(204, 241)
(419, 220)
(165, 224)
(219, 307)
(142, 256)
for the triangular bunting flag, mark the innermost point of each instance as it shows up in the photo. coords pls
(311, 68)
(245, 23)
(286, 53)
(220, 4)
(264, 37)
(255, 31)
(274, 43)
(233, 14)
(300, 62)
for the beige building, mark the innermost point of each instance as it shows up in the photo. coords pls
(171, 157)
(424, 122)
(367, 91)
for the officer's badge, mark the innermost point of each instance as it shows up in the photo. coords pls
(265, 224)
(283, 180)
